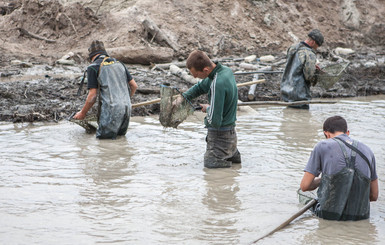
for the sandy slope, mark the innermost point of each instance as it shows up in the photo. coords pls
(220, 27)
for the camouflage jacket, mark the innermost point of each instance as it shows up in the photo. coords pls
(299, 73)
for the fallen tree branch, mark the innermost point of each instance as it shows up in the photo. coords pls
(158, 34)
(26, 33)
(167, 65)
(101, 3)
(72, 24)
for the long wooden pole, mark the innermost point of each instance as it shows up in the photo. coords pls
(251, 83)
(296, 215)
(146, 103)
(158, 100)
(256, 72)
(287, 103)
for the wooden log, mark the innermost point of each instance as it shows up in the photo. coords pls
(250, 58)
(251, 93)
(182, 64)
(158, 34)
(183, 74)
(287, 103)
(248, 66)
(142, 55)
(167, 65)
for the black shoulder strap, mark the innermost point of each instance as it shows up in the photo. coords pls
(81, 83)
(356, 150)
(350, 161)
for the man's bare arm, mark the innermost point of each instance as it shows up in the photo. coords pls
(373, 190)
(90, 101)
(309, 182)
(133, 87)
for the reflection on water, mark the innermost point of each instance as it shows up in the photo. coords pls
(59, 185)
(222, 203)
(299, 129)
(348, 233)
(104, 198)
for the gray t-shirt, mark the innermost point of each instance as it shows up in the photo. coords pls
(328, 158)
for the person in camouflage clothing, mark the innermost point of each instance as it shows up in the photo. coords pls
(300, 69)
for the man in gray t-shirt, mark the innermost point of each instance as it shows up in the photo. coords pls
(349, 174)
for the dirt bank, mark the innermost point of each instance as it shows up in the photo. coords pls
(52, 94)
(220, 28)
(35, 34)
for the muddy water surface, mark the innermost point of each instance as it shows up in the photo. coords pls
(59, 185)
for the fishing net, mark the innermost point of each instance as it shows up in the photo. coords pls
(330, 74)
(305, 197)
(172, 115)
(90, 123)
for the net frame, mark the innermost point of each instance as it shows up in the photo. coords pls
(330, 75)
(305, 197)
(172, 115)
(90, 123)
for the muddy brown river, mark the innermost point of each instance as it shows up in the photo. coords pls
(59, 185)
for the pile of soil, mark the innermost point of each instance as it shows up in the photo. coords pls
(220, 28)
(40, 32)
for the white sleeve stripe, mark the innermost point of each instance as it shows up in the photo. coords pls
(211, 111)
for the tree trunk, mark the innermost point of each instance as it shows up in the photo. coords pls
(158, 34)
(142, 55)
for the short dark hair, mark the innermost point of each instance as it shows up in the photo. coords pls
(335, 124)
(199, 60)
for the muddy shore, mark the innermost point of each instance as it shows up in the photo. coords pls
(49, 92)
(35, 34)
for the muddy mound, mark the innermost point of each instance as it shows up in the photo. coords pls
(221, 28)
(40, 28)
(51, 20)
